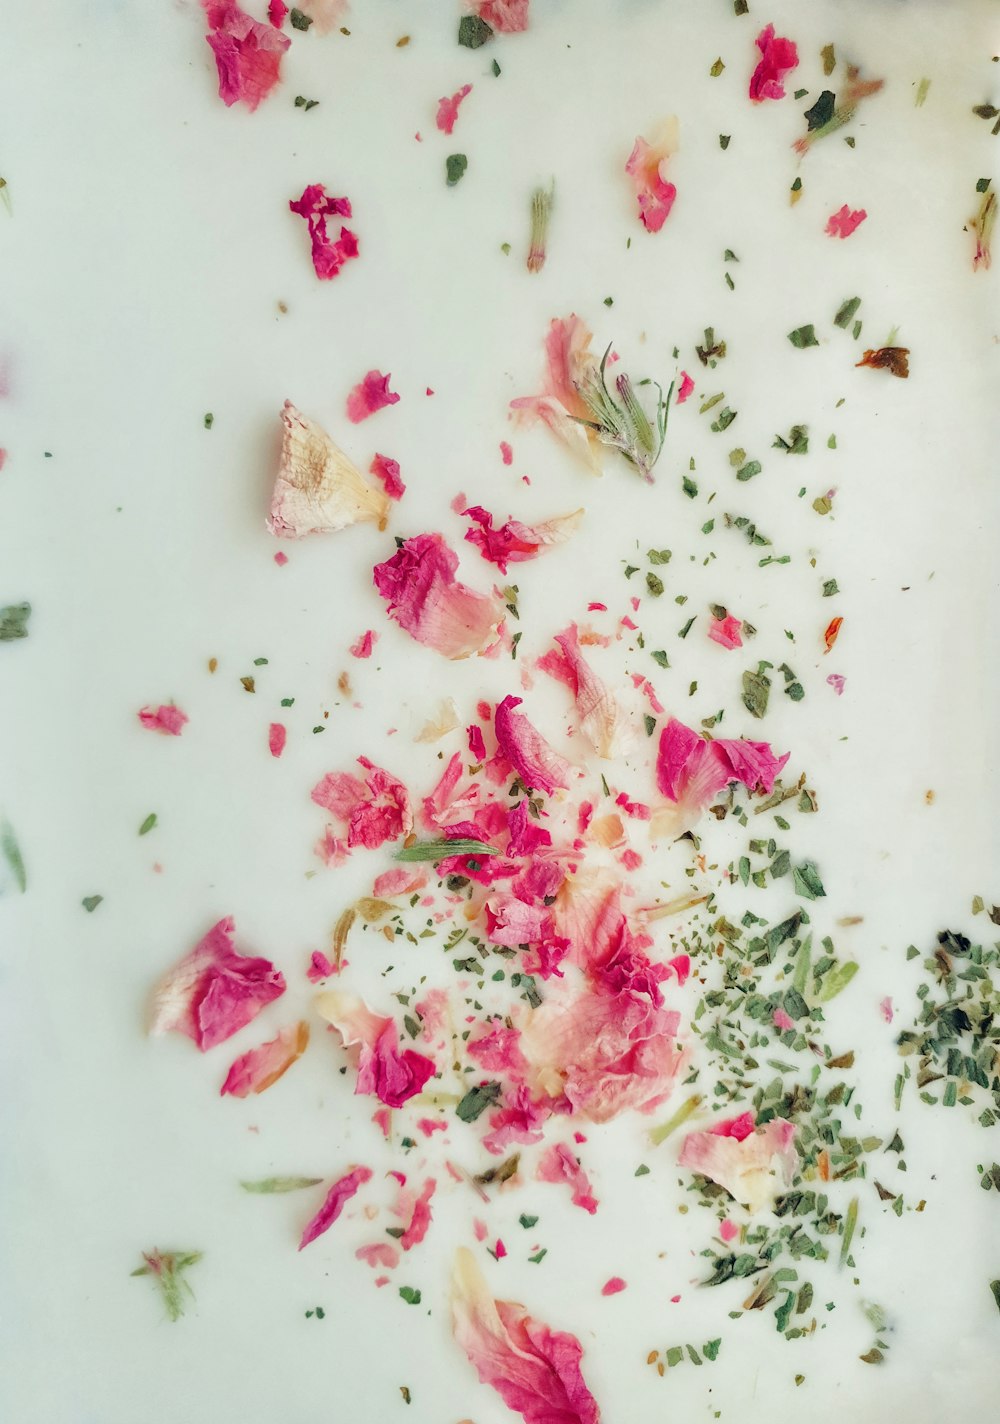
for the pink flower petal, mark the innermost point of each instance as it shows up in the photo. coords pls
(514, 542)
(420, 1218)
(685, 388)
(319, 967)
(510, 922)
(613, 1286)
(837, 681)
(570, 363)
(506, 453)
(506, 17)
(602, 719)
(328, 253)
(726, 631)
(370, 395)
(276, 12)
(337, 1198)
(167, 719)
(538, 766)
(418, 583)
(387, 470)
(752, 1168)
(277, 735)
(558, 1164)
(375, 811)
(364, 645)
(782, 1020)
(379, 1253)
(255, 1071)
(402, 881)
(534, 1369)
(317, 489)
(843, 222)
(691, 771)
(647, 166)
(778, 57)
(447, 111)
(214, 991)
(383, 1070)
(247, 54)
(885, 1008)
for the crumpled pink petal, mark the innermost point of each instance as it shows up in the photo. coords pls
(752, 1166)
(254, 1072)
(570, 363)
(447, 111)
(778, 57)
(420, 1217)
(646, 167)
(538, 766)
(511, 922)
(392, 1076)
(214, 991)
(387, 470)
(514, 542)
(685, 389)
(518, 1120)
(558, 1164)
(376, 811)
(370, 395)
(526, 835)
(277, 735)
(247, 54)
(328, 253)
(845, 221)
(497, 1051)
(167, 719)
(602, 718)
(364, 645)
(691, 771)
(418, 583)
(506, 17)
(277, 10)
(727, 632)
(534, 1369)
(336, 1199)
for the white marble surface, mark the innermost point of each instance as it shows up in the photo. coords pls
(145, 259)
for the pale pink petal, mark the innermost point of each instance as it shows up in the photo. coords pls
(510, 922)
(885, 1007)
(845, 221)
(602, 719)
(169, 720)
(329, 252)
(379, 1253)
(569, 364)
(255, 1071)
(387, 470)
(727, 632)
(538, 766)
(506, 17)
(534, 1369)
(383, 1070)
(376, 811)
(739, 1127)
(370, 395)
(214, 991)
(497, 1051)
(782, 1021)
(753, 1169)
(418, 583)
(613, 1286)
(518, 1120)
(513, 542)
(728, 1230)
(317, 489)
(277, 735)
(646, 166)
(364, 645)
(420, 1218)
(247, 54)
(558, 1164)
(337, 1198)
(404, 880)
(447, 111)
(837, 681)
(506, 453)
(778, 57)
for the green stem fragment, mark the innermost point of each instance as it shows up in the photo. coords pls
(167, 1267)
(661, 1133)
(12, 855)
(439, 850)
(850, 1222)
(541, 210)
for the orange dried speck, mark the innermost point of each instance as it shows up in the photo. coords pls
(888, 358)
(661, 1369)
(213, 663)
(929, 797)
(344, 684)
(832, 630)
(823, 1163)
(652, 1357)
(403, 42)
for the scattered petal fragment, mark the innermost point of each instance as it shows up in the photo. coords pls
(318, 490)
(328, 253)
(753, 1165)
(257, 1070)
(778, 57)
(168, 719)
(447, 111)
(845, 221)
(336, 1199)
(214, 991)
(247, 54)
(646, 166)
(370, 395)
(514, 542)
(418, 583)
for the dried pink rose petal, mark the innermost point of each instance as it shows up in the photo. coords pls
(691, 771)
(506, 17)
(845, 221)
(317, 489)
(428, 602)
(276, 13)
(214, 991)
(538, 766)
(387, 470)
(558, 1164)
(511, 922)
(778, 57)
(727, 632)
(534, 1369)
(379, 1253)
(420, 1216)
(376, 811)
(514, 542)
(837, 681)
(405, 880)
(392, 1076)
(277, 735)
(570, 364)
(167, 719)
(328, 253)
(336, 1199)
(247, 54)
(613, 1286)
(646, 167)
(370, 395)
(364, 645)
(447, 111)
(753, 1165)
(255, 1071)
(685, 388)
(602, 719)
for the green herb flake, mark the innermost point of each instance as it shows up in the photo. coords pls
(661, 658)
(717, 69)
(659, 556)
(756, 691)
(477, 1100)
(496, 69)
(821, 112)
(441, 849)
(11, 852)
(298, 20)
(982, 185)
(148, 824)
(797, 442)
(749, 470)
(209, 420)
(91, 902)
(829, 57)
(650, 723)
(846, 312)
(654, 585)
(540, 1257)
(410, 1295)
(995, 1288)
(921, 94)
(724, 141)
(14, 621)
(269, 1186)
(528, 1221)
(830, 587)
(689, 487)
(473, 32)
(803, 336)
(167, 1268)
(642, 1170)
(455, 165)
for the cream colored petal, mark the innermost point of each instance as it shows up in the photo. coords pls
(318, 490)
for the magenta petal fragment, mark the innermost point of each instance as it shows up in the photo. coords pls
(727, 632)
(753, 763)
(214, 991)
(514, 542)
(255, 1071)
(167, 719)
(420, 1218)
(845, 221)
(392, 1076)
(646, 166)
(376, 810)
(387, 470)
(277, 735)
(558, 1164)
(506, 17)
(778, 57)
(370, 395)
(418, 583)
(247, 54)
(534, 1369)
(328, 253)
(447, 111)
(337, 1198)
(538, 766)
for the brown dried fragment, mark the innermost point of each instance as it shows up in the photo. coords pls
(888, 358)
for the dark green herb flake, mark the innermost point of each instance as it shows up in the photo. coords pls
(455, 166)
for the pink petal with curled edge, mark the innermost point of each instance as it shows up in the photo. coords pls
(727, 632)
(685, 389)
(558, 1164)
(511, 922)
(602, 720)
(383, 1070)
(837, 681)
(254, 1072)
(364, 645)
(534, 1369)
(376, 811)
(506, 17)
(276, 13)
(214, 991)
(538, 766)
(337, 1198)
(379, 1253)
(520, 1119)
(423, 596)
(526, 835)
(387, 470)
(328, 253)
(247, 54)
(739, 1127)
(843, 222)
(613, 1286)
(570, 363)
(405, 880)
(420, 1219)
(646, 167)
(514, 542)
(778, 57)
(447, 111)
(498, 1051)
(753, 1168)
(691, 772)
(753, 763)
(319, 967)
(167, 719)
(370, 395)
(277, 735)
